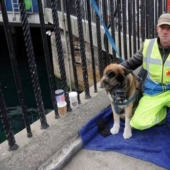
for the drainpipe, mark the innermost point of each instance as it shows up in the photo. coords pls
(67, 53)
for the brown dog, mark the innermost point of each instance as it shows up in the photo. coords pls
(121, 87)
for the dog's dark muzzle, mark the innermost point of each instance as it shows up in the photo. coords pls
(118, 95)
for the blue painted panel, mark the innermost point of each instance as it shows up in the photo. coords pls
(35, 5)
(9, 6)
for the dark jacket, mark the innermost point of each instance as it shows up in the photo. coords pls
(137, 59)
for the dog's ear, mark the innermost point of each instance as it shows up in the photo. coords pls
(127, 71)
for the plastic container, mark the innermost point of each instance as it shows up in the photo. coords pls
(73, 99)
(62, 108)
(59, 95)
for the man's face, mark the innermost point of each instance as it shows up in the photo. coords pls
(164, 34)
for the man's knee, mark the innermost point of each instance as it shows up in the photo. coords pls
(139, 124)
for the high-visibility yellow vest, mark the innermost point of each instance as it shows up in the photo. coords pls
(28, 4)
(153, 63)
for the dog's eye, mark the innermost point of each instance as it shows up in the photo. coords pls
(120, 78)
(111, 75)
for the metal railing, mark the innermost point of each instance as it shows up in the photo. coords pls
(130, 21)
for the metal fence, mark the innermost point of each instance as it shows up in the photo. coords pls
(129, 21)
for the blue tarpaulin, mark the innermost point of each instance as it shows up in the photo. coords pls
(152, 145)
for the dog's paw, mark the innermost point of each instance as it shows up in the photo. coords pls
(127, 134)
(114, 129)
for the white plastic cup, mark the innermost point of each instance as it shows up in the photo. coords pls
(73, 99)
(59, 95)
(62, 108)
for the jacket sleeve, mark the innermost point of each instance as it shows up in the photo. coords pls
(135, 61)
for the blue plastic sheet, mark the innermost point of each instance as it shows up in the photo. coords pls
(152, 145)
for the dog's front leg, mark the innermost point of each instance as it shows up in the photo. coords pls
(128, 115)
(116, 125)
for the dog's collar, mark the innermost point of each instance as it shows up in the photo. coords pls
(127, 102)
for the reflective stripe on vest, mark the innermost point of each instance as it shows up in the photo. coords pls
(152, 62)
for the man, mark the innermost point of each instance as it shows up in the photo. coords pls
(155, 58)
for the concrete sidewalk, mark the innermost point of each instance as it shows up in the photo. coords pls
(41, 148)
(96, 160)
(59, 146)
(74, 157)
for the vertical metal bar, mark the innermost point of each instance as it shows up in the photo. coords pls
(32, 64)
(143, 26)
(134, 26)
(91, 45)
(66, 47)
(147, 19)
(150, 19)
(138, 25)
(152, 24)
(124, 29)
(99, 46)
(60, 51)
(15, 68)
(156, 15)
(72, 49)
(156, 11)
(119, 26)
(164, 6)
(82, 49)
(6, 124)
(159, 7)
(47, 59)
(112, 22)
(105, 19)
(130, 27)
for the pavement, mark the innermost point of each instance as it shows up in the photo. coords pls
(60, 147)
(97, 160)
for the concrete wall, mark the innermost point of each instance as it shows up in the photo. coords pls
(15, 19)
(78, 62)
(49, 19)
